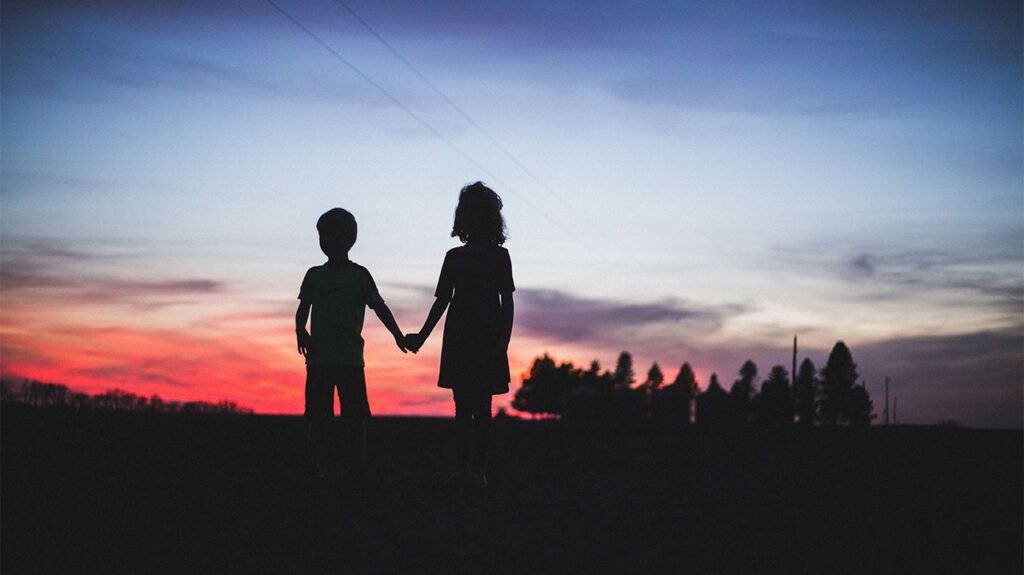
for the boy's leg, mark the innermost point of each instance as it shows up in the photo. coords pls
(318, 413)
(355, 410)
(354, 436)
(317, 445)
(481, 430)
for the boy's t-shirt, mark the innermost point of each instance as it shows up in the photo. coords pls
(339, 297)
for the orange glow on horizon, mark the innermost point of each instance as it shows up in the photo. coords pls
(248, 359)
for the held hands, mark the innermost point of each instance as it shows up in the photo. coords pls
(413, 341)
(402, 343)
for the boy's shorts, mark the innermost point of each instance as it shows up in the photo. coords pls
(321, 381)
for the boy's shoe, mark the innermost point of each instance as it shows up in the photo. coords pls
(316, 479)
(458, 479)
(466, 478)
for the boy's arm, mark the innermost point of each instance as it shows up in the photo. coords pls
(301, 335)
(388, 319)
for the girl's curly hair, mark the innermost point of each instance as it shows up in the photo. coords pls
(478, 216)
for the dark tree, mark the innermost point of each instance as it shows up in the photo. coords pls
(650, 386)
(674, 401)
(7, 390)
(624, 374)
(806, 392)
(859, 407)
(80, 400)
(714, 406)
(654, 379)
(39, 394)
(742, 392)
(838, 378)
(775, 406)
(541, 390)
(592, 377)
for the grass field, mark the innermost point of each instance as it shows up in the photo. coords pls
(116, 492)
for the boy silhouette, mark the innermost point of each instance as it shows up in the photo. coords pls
(338, 293)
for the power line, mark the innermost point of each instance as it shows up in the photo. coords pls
(465, 116)
(380, 89)
(451, 104)
(430, 128)
(413, 114)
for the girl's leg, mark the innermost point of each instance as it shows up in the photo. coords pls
(481, 430)
(463, 429)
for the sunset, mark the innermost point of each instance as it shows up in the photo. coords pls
(732, 271)
(688, 183)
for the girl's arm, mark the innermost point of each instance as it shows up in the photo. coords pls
(436, 311)
(508, 312)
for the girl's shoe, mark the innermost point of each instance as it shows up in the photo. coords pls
(477, 479)
(353, 477)
(457, 479)
(466, 478)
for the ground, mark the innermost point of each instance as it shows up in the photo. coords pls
(147, 493)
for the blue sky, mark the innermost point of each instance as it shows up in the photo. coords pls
(711, 178)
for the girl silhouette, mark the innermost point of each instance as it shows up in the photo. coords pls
(476, 281)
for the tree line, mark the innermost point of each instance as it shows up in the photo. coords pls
(39, 394)
(830, 396)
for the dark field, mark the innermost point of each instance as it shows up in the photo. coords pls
(142, 493)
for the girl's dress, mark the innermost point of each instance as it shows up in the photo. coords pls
(473, 355)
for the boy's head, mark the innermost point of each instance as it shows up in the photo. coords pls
(337, 228)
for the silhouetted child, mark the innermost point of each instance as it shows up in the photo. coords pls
(338, 292)
(476, 279)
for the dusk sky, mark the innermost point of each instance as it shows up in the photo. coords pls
(687, 181)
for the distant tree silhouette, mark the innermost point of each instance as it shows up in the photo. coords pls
(714, 406)
(805, 389)
(686, 381)
(585, 402)
(600, 381)
(775, 404)
(859, 407)
(80, 400)
(742, 392)
(39, 394)
(543, 388)
(838, 379)
(673, 402)
(591, 378)
(624, 375)
(654, 378)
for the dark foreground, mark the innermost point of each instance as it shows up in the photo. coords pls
(138, 493)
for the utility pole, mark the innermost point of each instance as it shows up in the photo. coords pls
(792, 378)
(887, 400)
(793, 373)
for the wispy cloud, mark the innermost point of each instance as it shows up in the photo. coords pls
(975, 378)
(989, 272)
(565, 317)
(75, 275)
